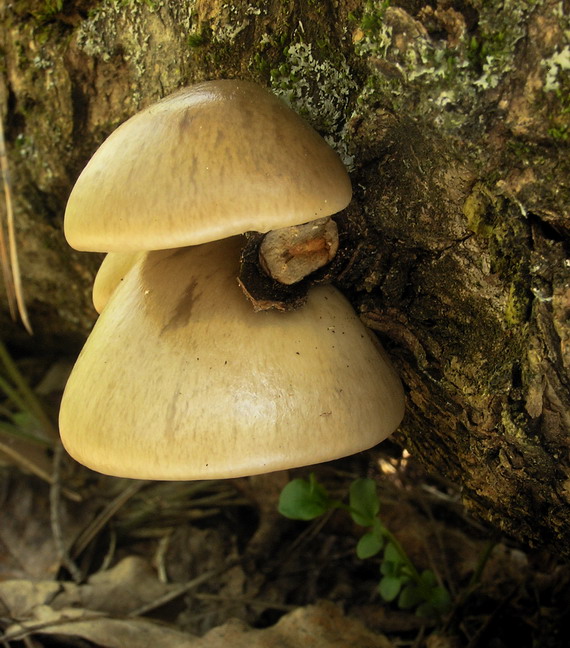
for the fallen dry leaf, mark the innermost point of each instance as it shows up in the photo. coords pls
(316, 626)
(129, 585)
(99, 629)
(117, 591)
(98, 612)
(91, 610)
(27, 548)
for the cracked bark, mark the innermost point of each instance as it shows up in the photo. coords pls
(455, 248)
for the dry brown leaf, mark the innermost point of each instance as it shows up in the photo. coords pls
(118, 591)
(315, 626)
(27, 548)
(92, 611)
(25, 531)
(99, 629)
(19, 597)
(128, 586)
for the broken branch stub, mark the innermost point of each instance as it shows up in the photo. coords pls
(290, 254)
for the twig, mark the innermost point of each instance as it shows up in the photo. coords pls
(305, 536)
(36, 470)
(160, 556)
(183, 589)
(27, 628)
(481, 563)
(110, 553)
(418, 641)
(440, 546)
(491, 618)
(247, 600)
(474, 583)
(106, 514)
(55, 501)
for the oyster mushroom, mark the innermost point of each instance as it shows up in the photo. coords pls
(180, 379)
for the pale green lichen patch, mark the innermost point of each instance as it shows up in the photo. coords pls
(478, 209)
(518, 302)
(233, 19)
(556, 65)
(317, 87)
(504, 235)
(515, 425)
(140, 34)
(557, 90)
(40, 119)
(313, 77)
(502, 25)
(436, 62)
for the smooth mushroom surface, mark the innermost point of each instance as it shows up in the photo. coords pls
(111, 272)
(180, 379)
(211, 161)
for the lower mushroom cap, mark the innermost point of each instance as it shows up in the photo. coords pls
(110, 274)
(180, 379)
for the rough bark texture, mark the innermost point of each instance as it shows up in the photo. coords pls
(453, 117)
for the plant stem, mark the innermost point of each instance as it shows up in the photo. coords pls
(483, 559)
(411, 568)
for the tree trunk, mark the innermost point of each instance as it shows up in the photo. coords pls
(453, 118)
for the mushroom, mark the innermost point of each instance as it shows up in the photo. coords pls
(208, 162)
(111, 272)
(181, 379)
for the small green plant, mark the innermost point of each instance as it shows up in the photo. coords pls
(21, 413)
(400, 581)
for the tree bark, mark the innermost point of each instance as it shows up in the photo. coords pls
(453, 118)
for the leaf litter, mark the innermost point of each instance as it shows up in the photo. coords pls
(207, 564)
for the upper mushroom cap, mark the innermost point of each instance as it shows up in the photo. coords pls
(180, 379)
(217, 159)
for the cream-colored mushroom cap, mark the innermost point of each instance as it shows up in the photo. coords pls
(111, 272)
(180, 379)
(217, 159)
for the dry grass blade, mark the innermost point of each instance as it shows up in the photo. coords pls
(4, 260)
(56, 530)
(9, 258)
(24, 629)
(185, 588)
(22, 458)
(101, 520)
(246, 600)
(21, 393)
(24, 449)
